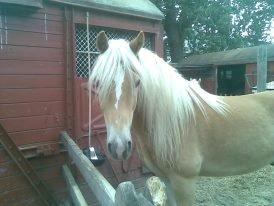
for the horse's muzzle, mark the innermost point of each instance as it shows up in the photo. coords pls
(120, 150)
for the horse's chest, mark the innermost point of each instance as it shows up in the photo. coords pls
(146, 156)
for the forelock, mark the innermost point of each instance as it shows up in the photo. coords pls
(117, 60)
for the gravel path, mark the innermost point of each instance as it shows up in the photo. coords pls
(254, 189)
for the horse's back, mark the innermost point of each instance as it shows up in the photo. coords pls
(266, 99)
(263, 101)
(241, 140)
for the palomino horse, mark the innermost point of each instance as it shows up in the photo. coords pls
(181, 131)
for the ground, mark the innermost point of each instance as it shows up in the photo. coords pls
(254, 189)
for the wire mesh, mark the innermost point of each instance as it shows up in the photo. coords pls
(82, 69)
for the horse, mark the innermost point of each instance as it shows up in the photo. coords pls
(181, 131)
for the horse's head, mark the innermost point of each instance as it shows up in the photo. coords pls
(118, 87)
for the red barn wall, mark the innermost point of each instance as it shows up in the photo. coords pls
(32, 95)
(32, 77)
(34, 88)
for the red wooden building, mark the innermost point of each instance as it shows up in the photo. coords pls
(45, 47)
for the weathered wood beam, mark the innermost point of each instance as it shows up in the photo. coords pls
(261, 68)
(101, 188)
(74, 191)
(155, 191)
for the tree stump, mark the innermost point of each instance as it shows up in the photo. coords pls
(155, 191)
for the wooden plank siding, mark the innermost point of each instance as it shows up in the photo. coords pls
(31, 81)
(32, 96)
(12, 52)
(22, 38)
(21, 23)
(32, 123)
(8, 96)
(17, 67)
(36, 136)
(13, 110)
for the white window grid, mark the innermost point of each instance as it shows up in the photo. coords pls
(82, 44)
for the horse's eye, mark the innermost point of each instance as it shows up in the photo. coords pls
(137, 83)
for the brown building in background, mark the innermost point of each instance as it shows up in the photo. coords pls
(231, 72)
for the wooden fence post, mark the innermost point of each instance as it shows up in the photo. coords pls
(155, 191)
(261, 68)
(125, 195)
(101, 188)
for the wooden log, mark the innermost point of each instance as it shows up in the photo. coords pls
(101, 188)
(261, 68)
(74, 191)
(155, 191)
(127, 196)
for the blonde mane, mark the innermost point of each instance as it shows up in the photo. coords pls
(166, 100)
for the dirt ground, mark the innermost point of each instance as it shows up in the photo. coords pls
(254, 189)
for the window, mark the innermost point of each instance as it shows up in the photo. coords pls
(82, 44)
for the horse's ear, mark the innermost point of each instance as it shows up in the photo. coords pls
(102, 42)
(137, 43)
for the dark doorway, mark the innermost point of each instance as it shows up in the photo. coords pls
(231, 80)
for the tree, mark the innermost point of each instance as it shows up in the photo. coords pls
(199, 26)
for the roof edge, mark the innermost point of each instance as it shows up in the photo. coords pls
(228, 57)
(240, 61)
(116, 10)
(32, 3)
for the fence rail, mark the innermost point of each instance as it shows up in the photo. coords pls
(125, 195)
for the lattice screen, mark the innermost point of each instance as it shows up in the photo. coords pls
(82, 44)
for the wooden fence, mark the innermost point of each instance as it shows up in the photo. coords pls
(124, 195)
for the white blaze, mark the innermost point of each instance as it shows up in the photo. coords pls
(118, 87)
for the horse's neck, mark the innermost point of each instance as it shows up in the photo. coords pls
(144, 145)
(138, 125)
(140, 131)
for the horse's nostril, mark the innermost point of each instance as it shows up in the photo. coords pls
(109, 147)
(129, 145)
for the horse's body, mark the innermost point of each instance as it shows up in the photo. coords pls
(240, 142)
(183, 132)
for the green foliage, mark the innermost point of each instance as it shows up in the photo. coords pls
(217, 25)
